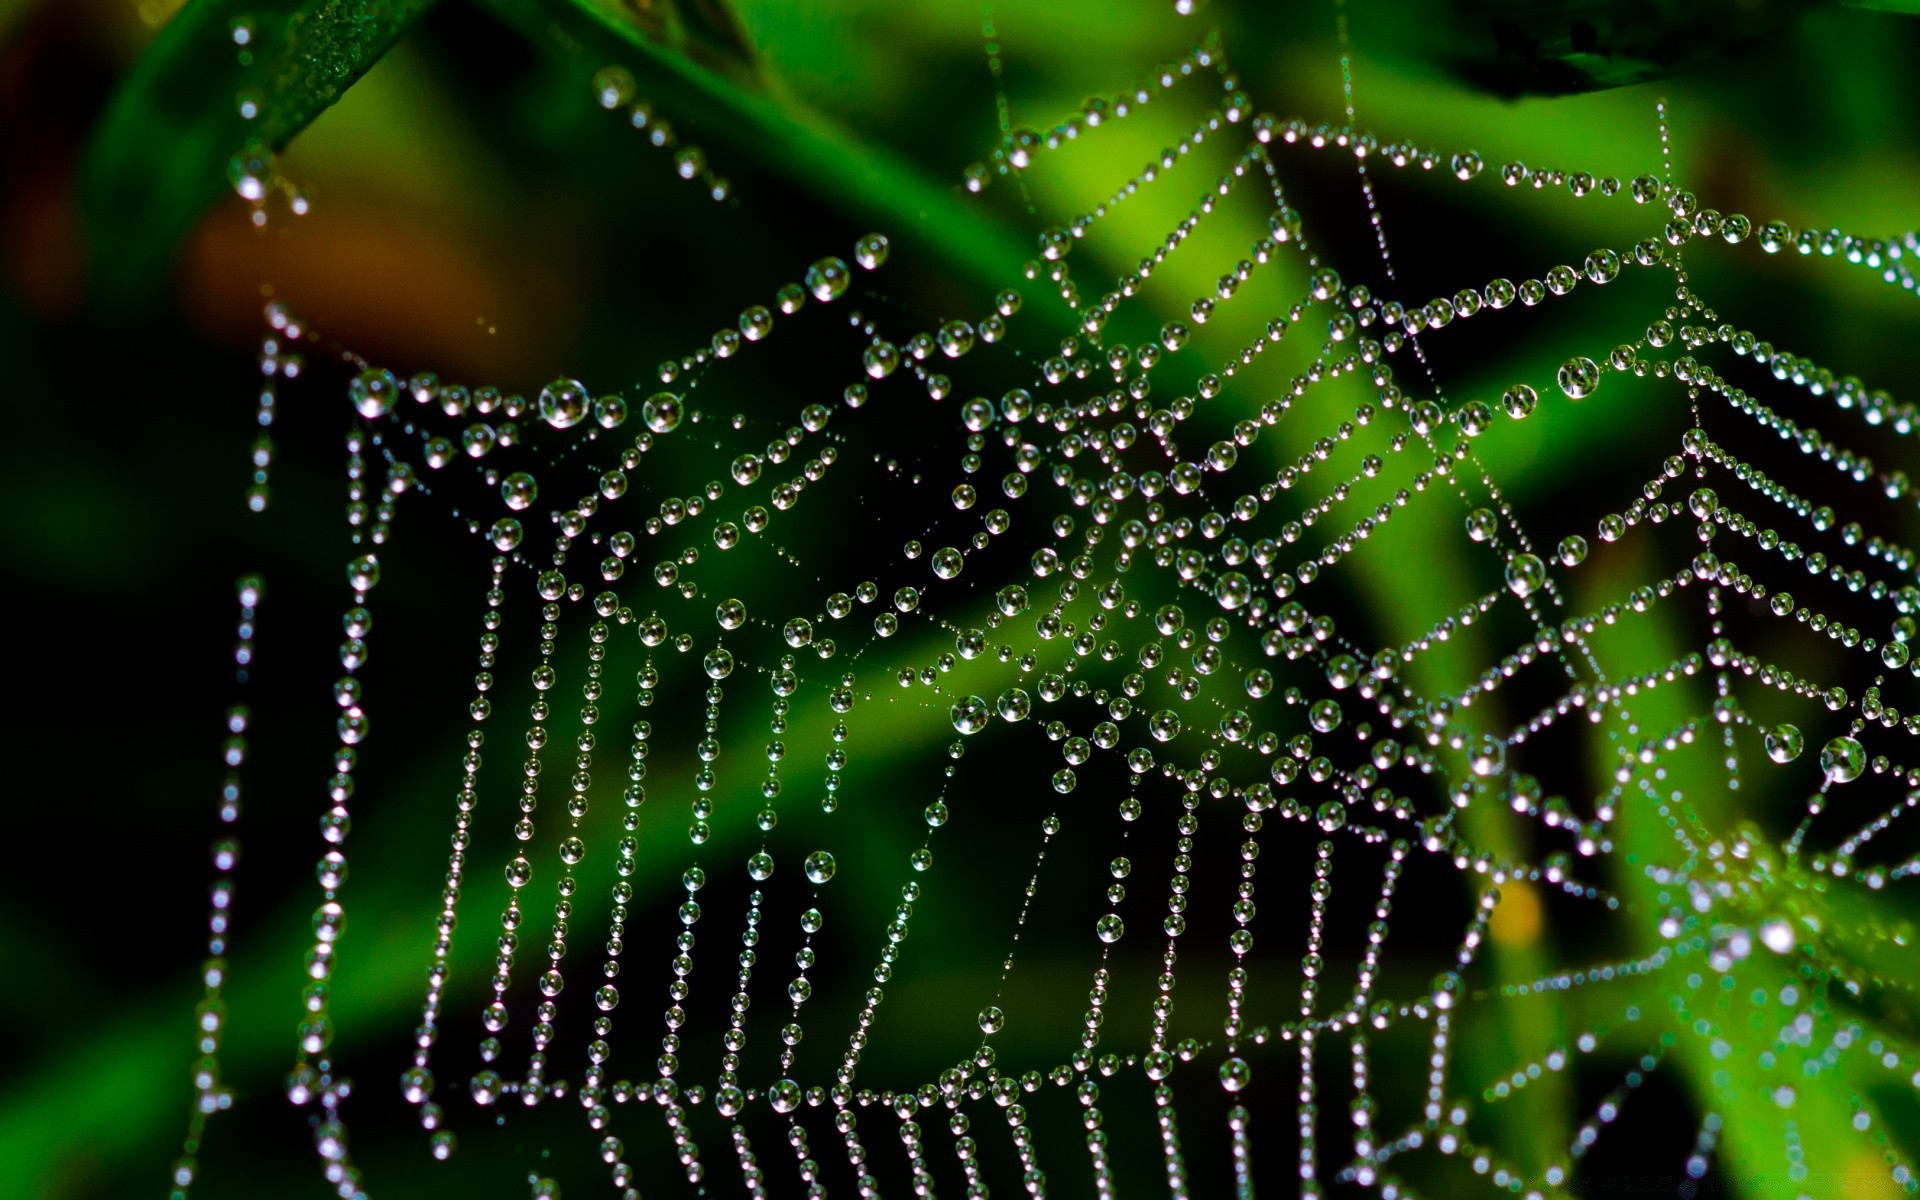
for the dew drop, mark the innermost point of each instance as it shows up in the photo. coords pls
(870, 252)
(1842, 759)
(563, 403)
(373, 392)
(971, 715)
(828, 279)
(1235, 1074)
(662, 412)
(1526, 574)
(518, 490)
(1784, 743)
(1579, 378)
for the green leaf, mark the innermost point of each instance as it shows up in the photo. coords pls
(1910, 8)
(174, 133)
(694, 71)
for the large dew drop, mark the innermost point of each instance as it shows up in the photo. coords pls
(1520, 400)
(519, 871)
(1526, 574)
(870, 252)
(971, 715)
(1014, 704)
(1843, 759)
(1579, 378)
(563, 403)
(1235, 1074)
(519, 490)
(828, 279)
(373, 392)
(363, 572)
(662, 412)
(1785, 742)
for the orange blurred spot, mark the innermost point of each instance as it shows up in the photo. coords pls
(1516, 919)
(391, 284)
(43, 254)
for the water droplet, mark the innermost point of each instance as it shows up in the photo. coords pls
(1579, 378)
(1842, 759)
(1784, 743)
(373, 392)
(828, 279)
(1235, 1074)
(363, 572)
(971, 715)
(1520, 400)
(1014, 704)
(1526, 574)
(870, 252)
(563, 403)
(519, 491)
(662, 412)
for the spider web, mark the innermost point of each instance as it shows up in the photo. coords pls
(1107, 681)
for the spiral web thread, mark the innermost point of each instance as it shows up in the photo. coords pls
(1170, 620)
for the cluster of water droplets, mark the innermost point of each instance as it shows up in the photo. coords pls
(1172, 618)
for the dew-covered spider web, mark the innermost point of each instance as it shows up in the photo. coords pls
(1076, 725)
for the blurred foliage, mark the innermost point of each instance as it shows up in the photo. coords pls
(474, 213)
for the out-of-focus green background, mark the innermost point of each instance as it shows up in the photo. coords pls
(474, 212)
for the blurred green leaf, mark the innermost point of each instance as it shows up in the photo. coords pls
(866, 181)
(1557, 47)
(178, 129)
